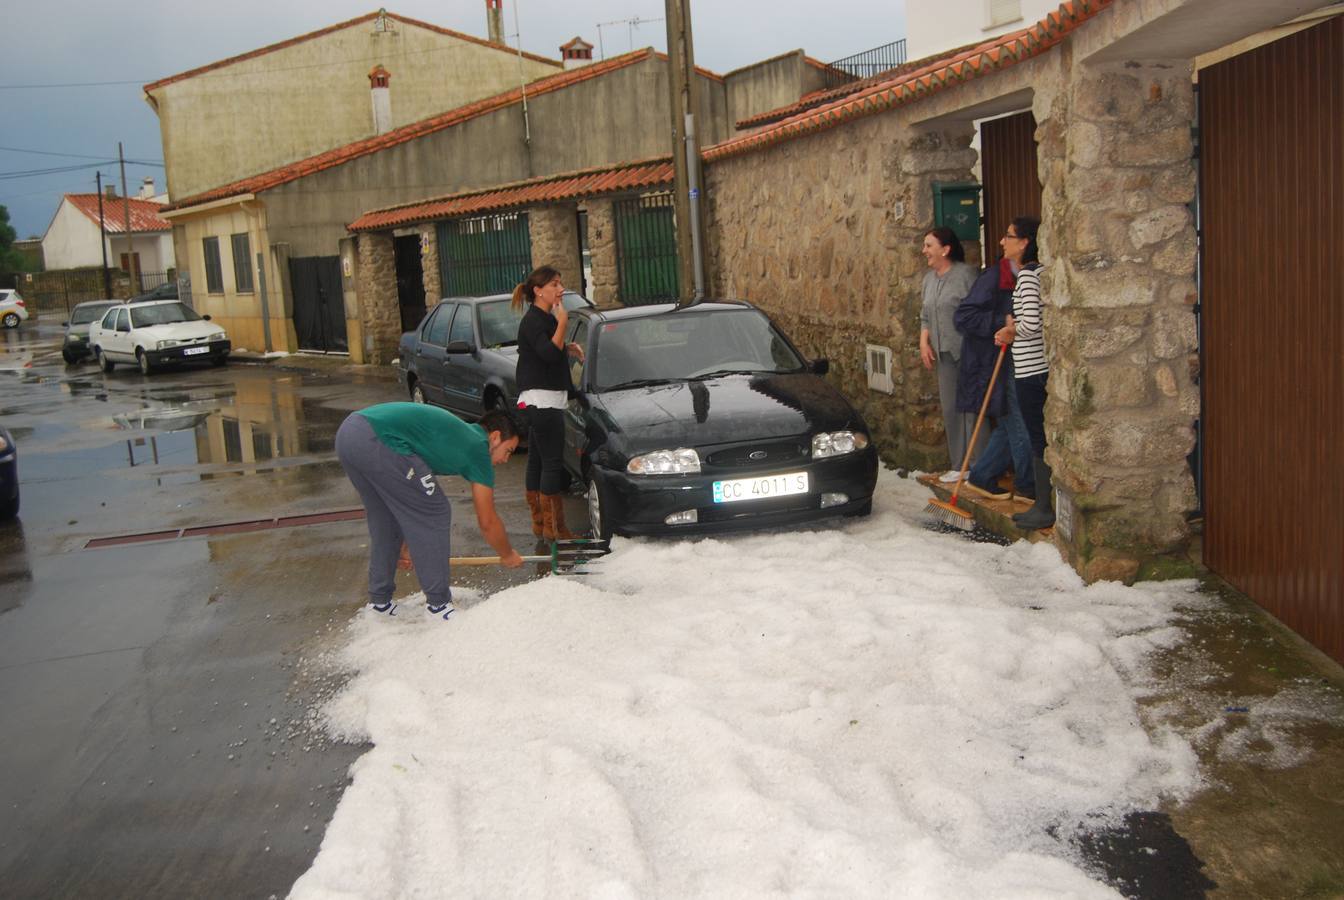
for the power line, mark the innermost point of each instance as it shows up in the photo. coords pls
(71, 155)
(58, 170)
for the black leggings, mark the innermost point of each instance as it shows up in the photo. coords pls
(545, 450)
(1031, 400)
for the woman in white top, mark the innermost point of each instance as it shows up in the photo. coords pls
(1025, 332)
(946, 284)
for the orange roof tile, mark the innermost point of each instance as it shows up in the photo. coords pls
(340, 155)
(144, 213)
(886, 92)
(622, 177)
(270, 48)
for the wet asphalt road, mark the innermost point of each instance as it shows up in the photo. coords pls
(157, 700)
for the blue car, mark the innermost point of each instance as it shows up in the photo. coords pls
(9, 476)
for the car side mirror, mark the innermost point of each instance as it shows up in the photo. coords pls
(65, 324)
(206, 317)
(820, 366)
(458, 347)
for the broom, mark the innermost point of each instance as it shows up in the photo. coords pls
(949, 513)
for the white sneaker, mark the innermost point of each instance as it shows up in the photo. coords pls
(950, 476)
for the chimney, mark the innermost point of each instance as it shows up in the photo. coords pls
(147, 188)
(379, 79)
(494, 17)
(110, 191)
(577, 53)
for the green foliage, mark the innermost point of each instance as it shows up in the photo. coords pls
(10, 260)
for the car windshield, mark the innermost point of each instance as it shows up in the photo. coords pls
(162, 314)
(83, 315)
(499, 323)
(682, 345)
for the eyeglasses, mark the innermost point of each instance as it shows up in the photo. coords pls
(1015, 237)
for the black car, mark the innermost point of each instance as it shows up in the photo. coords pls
(165, 291)
(9, 476)
(707, 418)
(76, 344)
(463, 354)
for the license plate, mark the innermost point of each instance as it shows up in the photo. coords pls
(193, 351)
(760, 488)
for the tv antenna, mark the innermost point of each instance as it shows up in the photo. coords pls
(630, 25)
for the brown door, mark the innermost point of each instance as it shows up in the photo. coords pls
(1008, 171)
(1272, 209)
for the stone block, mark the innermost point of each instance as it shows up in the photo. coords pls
(1158, 225)
(1110, 568)
(1120, 387)
(1177, 256)
(1169, 146)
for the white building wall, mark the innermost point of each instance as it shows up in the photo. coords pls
(71, 241)
(935, 28)
(155, 250)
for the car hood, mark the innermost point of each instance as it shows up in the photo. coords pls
(182, 331)
(722, 410)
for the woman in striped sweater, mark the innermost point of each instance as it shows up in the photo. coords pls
(1030, 369)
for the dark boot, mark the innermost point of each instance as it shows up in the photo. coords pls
(534, 505)
(1042, 514)
(553, 525)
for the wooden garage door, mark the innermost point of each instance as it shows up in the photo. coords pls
(1009, 174)
(1272, 204)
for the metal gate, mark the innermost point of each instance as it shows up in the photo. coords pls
(1008, 170)
(319, 305)
(1271, 191)
(484, 255)
(646, 249)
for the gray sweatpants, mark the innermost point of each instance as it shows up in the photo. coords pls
(959, 425)
(402, 501)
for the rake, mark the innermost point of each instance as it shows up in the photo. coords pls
(949, 513)
(566, 557)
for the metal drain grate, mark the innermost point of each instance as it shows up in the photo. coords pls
(145, 537)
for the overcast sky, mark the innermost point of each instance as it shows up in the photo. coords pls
(60, 42)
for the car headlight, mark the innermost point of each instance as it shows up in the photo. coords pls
(164, 345)
(218, 336)
(837, 443)
(4, 444)
(681, 461)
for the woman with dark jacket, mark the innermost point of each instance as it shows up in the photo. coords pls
(543, 392)
(984, 311)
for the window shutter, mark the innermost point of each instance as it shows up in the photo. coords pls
(1003, 11)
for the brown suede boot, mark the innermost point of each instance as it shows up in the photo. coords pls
(553, 525)
(538, 515)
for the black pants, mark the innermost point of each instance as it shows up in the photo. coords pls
(545, 450)
(1031, 400)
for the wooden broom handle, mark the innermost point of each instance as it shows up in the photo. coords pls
(979, 420)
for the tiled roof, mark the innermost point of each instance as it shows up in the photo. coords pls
(632, 176)
(340, 155)
(270, 48)
(891, 91)
(144, 213)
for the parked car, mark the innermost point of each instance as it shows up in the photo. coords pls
(76, 344)
(165, 291)
(13, 309)
(463, 354)
(9, 475)
(707, 418)
(156, 333)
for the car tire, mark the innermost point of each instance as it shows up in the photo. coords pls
(865, 510)
(219, 361)
(104, 363)
(494, 400)
(142, 360)
(70, 358)
(417, 393)
(600, 519)
(9, 508)
(11, 320)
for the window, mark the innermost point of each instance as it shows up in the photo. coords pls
(242, 263)
(123, 320)
(1001, 12)
(438, 328)
(214, 274)
(462, 326)
(110, 320)
(578, 334)
(163, 314)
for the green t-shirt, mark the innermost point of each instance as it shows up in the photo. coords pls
(448, 445)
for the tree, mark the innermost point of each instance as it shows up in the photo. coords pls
(10, 259)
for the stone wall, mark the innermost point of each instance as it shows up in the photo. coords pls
(824, 233)
(379, 312)
(605, 287)
(555, 241)
(1118, 241)
(429, 262)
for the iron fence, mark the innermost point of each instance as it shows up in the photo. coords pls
(646, 249)
(866, 64)
(484, 255)
(52, 292)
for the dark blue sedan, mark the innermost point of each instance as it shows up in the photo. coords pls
(9, 476)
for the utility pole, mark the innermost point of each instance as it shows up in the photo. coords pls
(126, 210)
(102, 237)
(685, 102)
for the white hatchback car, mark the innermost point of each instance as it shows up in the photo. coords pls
(154, 334)
(12, 308)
